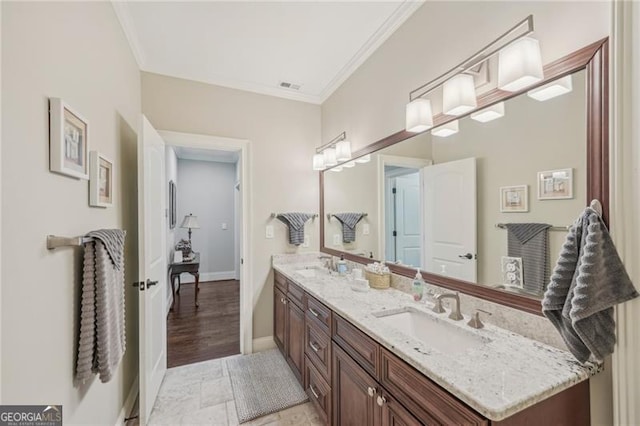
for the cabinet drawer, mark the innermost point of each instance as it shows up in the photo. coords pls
(319, 314)
(280, 281)
(427, 401)
(357, 344)
(319, 392)
(295, 294)
(318, 349)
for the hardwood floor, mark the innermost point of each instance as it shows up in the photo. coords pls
(208, 332)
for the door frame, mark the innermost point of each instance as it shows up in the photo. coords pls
(243, 147)
(392, 160)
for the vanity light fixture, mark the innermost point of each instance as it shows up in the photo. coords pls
(333, 152)
(336, 169)
(519, 65)
(418, 116)
(459, 95)
(489, 113)
(349, 164)
(557, 87)
(330, 159)
(448, 129)
(343, 150)
(318, 162)
(363, 159)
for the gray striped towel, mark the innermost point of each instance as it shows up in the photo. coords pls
(102, 340)
(530, 241)
(349, 222)
(588, 280)
(295, 222)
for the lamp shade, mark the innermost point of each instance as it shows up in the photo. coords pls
(318, 162)
(336, 169)
(459, 95)
(190, 221)
(445, 130)
(418, 116)
(519, 65)
(363, 159)
(330, 157)
(343, 151)
(489, 113)
(551, 90)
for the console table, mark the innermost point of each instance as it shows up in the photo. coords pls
(190, 267)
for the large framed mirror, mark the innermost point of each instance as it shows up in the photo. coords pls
(483, 211)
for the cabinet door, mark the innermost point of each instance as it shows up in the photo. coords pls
(394, 414)
(354, 392)
(295, 340)
(279, 319)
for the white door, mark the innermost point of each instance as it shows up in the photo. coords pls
(408, 223)
(152, 264)
(450, 219)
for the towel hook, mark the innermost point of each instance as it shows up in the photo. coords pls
(597, 206)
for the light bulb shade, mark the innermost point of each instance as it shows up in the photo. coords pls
(459, 95)
(190, 221)
(445, 130)
(349, 164)
(318, 162)
(519, 65)
(363, 159)
(489, 113)
(551, 90)
(418, 116)
(336, 169)
(330, 157)
(343, 151)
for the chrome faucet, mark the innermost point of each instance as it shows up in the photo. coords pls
(455, 310)
(328, 262)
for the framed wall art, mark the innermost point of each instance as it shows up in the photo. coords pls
(514, 199)
(555, 184)
(68, 140)
(173, 206)
(101, 181)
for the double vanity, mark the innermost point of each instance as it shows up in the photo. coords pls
(379, 357)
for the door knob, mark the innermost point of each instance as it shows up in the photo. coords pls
(151, 283)
(381, 400)
(466, 256)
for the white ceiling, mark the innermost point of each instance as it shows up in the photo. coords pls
(215, 155)
(256, 45)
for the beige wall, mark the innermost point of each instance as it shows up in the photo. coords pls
(75, 51)
(283, 136)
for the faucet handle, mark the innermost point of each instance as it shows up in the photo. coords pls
(475, 322)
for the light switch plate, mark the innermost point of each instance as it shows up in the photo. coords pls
(365, 229)
(224, 226)
(306, 241)
(336, 239)
(269, 231)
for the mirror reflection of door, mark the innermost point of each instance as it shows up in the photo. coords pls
(450, 219)
(403, 209)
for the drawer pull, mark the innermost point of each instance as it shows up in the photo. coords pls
(314, 313)
(381, 400)
(314, 346)
(371, 391)
(313, 391)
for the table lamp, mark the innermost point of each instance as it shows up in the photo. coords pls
(190, 222)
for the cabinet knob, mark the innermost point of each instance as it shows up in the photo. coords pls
(381, 400)
(371, 391)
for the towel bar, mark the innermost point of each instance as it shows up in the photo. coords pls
(274, 215)
(553, 228)
(331, 214)
(54, 241)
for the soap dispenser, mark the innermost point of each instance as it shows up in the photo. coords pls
(417, 289)
(341, 266)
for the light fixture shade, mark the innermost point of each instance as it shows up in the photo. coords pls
(190, 221)
(489, 113)
(318, 162)
(445, 130)
(418, 116)
(459, 95)
(349, 164)
(519, 65)
(343, 151)
(336, 169)
(363, 159)
(330, 157)
(551, 90)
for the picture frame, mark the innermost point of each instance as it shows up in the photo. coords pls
(173, 205)
(555, 184)
(101, 180)
(68, 140)
(512, 271)
(514, 199)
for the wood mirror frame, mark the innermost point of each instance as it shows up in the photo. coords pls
(594, 59)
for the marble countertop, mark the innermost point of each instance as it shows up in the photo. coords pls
(503, 375)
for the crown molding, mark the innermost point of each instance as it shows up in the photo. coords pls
(126, 22)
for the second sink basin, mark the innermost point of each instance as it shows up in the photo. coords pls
(311, 271)
(433, 332)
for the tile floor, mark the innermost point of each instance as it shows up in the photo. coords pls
(200, 394)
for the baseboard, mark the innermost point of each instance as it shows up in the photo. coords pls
(209, 276)
(128, 403)
(262, 344)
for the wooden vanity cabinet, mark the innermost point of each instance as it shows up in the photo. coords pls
(280, 319)
(288, 323)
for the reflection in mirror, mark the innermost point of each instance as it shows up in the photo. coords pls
(487, 204)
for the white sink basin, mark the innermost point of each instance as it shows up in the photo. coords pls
(433, 332)
(311, 271)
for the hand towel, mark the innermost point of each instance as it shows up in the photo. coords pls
(102, 340)
(349, 222)
(588, 280)
(530, 241)
(295, 222)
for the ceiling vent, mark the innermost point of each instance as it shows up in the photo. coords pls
(287, 85)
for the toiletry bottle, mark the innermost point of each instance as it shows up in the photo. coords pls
(417, 288)
(341, 265)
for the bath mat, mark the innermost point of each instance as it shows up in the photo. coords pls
(262, 384)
